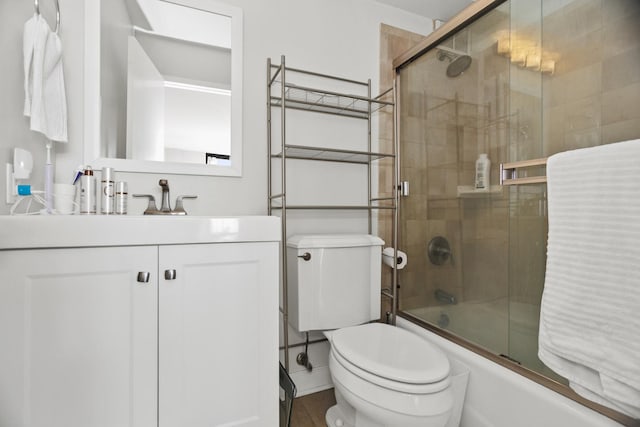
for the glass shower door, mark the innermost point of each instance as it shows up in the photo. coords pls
(524, 81)
(476, 92)
(455, 107)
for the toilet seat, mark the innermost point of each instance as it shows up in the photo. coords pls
(390, 406)
(392, 358)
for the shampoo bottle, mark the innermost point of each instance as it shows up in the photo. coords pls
(483, 169)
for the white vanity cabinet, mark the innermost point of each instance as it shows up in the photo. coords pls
(218, 343)
(86, 340)
(79, 337)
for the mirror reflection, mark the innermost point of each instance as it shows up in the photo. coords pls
(166, 82)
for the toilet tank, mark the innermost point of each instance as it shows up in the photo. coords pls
(333, 280)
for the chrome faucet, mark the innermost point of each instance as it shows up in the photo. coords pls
(166, 203)
(445, 297)
(165, 208)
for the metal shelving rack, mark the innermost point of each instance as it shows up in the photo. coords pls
(283, 94)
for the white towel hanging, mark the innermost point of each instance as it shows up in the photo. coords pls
(34, 41)
(589, 323)
(45, 97)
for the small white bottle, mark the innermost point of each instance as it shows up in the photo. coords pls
(88, 192)
(121, 198)
(106, 191)
(483, 170)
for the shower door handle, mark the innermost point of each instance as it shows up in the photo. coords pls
(403, 188)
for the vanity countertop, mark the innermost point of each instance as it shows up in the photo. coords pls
(64, 231)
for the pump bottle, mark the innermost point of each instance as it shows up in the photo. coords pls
(483, 170)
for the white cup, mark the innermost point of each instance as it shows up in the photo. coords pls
(64, 196)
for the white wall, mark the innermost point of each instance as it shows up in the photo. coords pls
(330, 36)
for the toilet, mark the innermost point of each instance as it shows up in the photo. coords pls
(383, 376)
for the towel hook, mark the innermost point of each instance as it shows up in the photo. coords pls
(36, 5)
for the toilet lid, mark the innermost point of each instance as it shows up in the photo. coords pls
(392, 353)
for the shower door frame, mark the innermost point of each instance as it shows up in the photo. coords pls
(473, 12)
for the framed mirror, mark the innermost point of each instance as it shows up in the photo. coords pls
(163, 86)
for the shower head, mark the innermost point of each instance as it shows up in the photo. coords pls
(458, 62)
(458, 66)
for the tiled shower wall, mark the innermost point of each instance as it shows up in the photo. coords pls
(594, 96)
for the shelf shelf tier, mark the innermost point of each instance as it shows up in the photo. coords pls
(340, 106)
(325, 101)
(301, 152)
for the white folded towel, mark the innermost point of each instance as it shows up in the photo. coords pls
(590, 314)
(45, 97)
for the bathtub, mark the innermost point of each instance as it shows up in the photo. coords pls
(485, 323)
(500, 326)
(499, 397)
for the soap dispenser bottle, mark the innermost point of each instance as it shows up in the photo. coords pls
(483, 169)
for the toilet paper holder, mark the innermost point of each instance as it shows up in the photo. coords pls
(388, 258)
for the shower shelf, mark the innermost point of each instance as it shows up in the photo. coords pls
(331, 154)
(470, 192)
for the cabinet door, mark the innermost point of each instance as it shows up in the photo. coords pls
(218, 335)
(78, 338)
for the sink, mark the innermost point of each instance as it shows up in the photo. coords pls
(60, 231)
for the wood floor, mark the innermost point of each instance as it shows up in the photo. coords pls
(309, 410)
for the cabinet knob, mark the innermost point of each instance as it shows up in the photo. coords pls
(143, 276)
(170, 274)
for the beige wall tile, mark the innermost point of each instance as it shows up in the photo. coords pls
(621, 70)
(583, 114)
(621, 35)
(621, 131)
(620, 105)
(619, 9)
